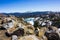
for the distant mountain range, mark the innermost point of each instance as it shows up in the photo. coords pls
(30, 14)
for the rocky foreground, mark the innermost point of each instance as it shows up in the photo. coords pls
(13, 28)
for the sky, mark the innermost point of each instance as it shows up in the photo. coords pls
(8, 6)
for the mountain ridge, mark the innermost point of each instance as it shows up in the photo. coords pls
(30, 14)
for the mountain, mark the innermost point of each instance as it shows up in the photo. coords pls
(30, 14)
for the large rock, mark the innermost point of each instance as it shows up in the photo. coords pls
(14, 37)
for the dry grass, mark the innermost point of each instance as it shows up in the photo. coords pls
(3, 36)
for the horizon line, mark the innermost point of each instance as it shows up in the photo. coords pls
(29, 11)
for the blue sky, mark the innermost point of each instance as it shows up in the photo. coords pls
(29, 5)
